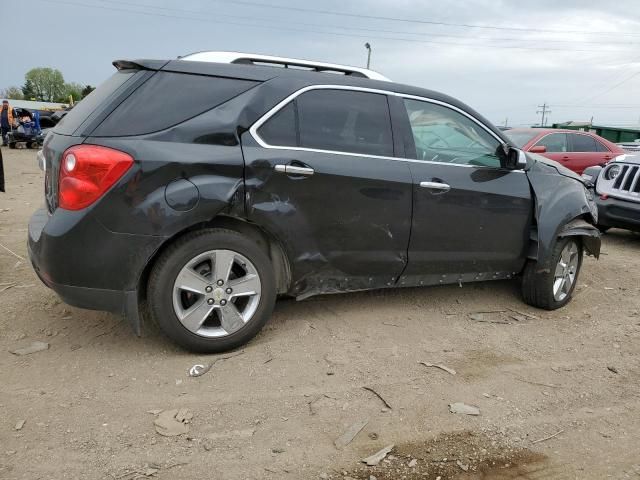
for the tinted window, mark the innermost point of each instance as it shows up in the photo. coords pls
(582, 143)
(520, 139)
(72, 120)
(555, 143)
(601, 148)
(346, 121)
(444, 135)
(167, 99)
(281, 128)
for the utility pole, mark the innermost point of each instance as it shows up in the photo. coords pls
(368, 47)
(545, 111)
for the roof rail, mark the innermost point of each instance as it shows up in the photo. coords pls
(269, 60)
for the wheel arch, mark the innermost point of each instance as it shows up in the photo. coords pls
(265, 240)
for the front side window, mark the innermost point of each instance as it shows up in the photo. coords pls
(583, 143)
(444, 135)
(345, 121)
(554, 143)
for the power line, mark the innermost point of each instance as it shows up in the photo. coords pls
(351, 27)
(410, 20)
(613, 87)
(279, 28)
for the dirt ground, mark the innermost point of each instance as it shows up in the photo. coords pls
(558, 392)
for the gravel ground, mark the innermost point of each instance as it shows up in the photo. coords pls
(558, 392)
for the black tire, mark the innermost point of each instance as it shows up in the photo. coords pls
(12, 145)
(29, 145)
(537, 287)
(176, 256)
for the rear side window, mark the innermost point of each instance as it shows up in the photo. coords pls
(168, 99)
(555, 143)
(345, 121)
(582, 143)
(281, 129)
(72, 120)
(601, 148)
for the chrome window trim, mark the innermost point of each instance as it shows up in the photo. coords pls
(253, 130)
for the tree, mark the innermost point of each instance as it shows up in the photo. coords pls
(87, 90)
(27, 90)
(12, 93)
(46, 84)
(73, 90)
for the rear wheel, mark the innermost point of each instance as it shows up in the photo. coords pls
(12, 144)
(553, 289)
(211, 291)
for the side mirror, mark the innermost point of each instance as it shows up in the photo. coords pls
(538, 149)
(516, 159)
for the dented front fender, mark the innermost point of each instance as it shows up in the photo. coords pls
(564, 206)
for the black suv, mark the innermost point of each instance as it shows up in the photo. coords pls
(203, 190)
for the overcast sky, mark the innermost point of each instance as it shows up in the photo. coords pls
(578, 74)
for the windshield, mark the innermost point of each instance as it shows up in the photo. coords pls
(520, 138)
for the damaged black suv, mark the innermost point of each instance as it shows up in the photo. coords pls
(202, 188)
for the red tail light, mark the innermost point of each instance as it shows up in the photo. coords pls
(87, 172)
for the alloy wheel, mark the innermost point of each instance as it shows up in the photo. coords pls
(216, 293)
(566, 271)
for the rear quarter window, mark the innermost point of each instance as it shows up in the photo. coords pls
(168, 99)
(101, 95)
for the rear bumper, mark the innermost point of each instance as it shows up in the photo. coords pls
(618, 213)
(87, 265)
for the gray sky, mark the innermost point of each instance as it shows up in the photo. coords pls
(579, 74)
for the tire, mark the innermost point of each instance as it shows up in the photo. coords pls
(538, 288)
(169, 294)
(12, 145)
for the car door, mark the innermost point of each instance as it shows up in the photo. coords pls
(585, 151)
(557, 148)
(322, 178)
(471, 217)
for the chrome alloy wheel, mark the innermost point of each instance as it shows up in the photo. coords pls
(216, 293)
(566, 270)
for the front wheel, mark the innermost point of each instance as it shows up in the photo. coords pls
(553, 289)
(212, 290)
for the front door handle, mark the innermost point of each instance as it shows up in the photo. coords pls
(436, 186)
(294, 170)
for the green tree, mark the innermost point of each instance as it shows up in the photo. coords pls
(87, 90)
(45, 83)
(27, 90)
(12, 93)
(73, 90)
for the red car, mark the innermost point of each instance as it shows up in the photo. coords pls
(573, 149)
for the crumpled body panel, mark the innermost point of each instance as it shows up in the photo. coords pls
(563, 207)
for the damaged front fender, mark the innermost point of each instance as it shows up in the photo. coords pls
(564, 206)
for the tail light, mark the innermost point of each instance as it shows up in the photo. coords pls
(87, 172)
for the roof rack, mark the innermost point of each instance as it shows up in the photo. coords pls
(268, 60)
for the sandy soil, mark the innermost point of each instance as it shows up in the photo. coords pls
(275, 410)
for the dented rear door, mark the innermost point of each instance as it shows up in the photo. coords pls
(343, 217)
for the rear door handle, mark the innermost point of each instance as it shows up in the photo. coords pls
(436, 186)
(293, 170)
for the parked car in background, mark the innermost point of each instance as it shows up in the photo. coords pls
(257, 181)
(633, 147)
(573, 149)
(618, 188)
